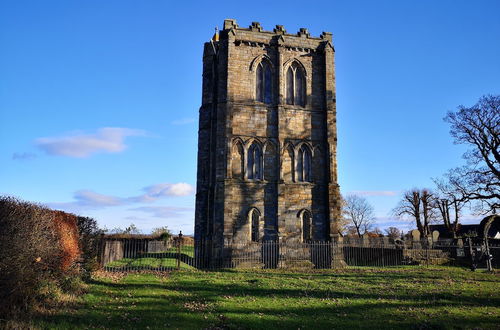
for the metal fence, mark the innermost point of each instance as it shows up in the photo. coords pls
(141, 254)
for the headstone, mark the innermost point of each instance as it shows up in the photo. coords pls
(435, 236)
(415, 234)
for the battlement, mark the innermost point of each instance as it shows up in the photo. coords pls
(230, 24)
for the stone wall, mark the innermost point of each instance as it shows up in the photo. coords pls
(231, 120)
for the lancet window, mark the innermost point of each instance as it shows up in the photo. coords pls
(306, 219)
(295, 85)
(304, 164)
(254, 162)
(263, 83)
(254, 219)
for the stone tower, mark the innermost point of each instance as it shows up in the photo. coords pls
(267, 166)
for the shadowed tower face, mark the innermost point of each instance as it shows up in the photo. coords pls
(267, 166)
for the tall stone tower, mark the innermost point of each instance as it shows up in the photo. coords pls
(267, 166)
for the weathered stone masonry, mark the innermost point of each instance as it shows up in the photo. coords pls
(267, 170)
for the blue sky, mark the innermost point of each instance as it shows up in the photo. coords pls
(99, 99)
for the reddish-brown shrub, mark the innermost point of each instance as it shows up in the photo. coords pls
(29, 252)
(67, 230)
(38, 249)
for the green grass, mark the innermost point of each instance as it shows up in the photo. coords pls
(375, 298)
(186, 249)
(146, 263)
(155, 260)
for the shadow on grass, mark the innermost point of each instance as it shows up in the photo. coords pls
(229, 299)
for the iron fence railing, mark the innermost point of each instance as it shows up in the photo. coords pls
(147, 254)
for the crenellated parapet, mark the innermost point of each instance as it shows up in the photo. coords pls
(231, 25)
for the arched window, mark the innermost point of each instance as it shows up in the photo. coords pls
(254, 163)
(289, 86)
(306, 220)
(254, 220)
(263, 84)
(295, 85)
(304, 164)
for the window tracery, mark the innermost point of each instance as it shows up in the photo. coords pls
(263, 83)
(304, 164)
(295, 85)
(254, 163)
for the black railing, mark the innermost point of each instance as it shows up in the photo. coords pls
(147, 254)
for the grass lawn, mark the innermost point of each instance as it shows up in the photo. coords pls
(376, 298)
(145, 263)
(157, 260)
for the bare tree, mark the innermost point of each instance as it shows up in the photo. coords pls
(418, 206)
(393, 232)
(478, 127)
(343, 222)
(450, 203)
(358, 212)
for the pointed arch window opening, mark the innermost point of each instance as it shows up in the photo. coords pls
(263, 83)
(289, 86)
(295, 85)
(254, 164)
(306, 220)
(304, 165)
(254, 218)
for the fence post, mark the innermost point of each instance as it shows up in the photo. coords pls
(101, 249)
(179, 242)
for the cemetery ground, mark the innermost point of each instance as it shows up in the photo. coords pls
(410, 297)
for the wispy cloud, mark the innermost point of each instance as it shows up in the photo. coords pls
(160, 190)
(93, 199)
(374, 193)
(81, 145)
(163, 211)
(183, 121)
(88, 199)
(23, 156)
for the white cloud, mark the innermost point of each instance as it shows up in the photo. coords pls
(160, 190)
(374, 193)
(93, 199)
(183, 121)
(88, 199)
(106, 139)
(163, 211)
